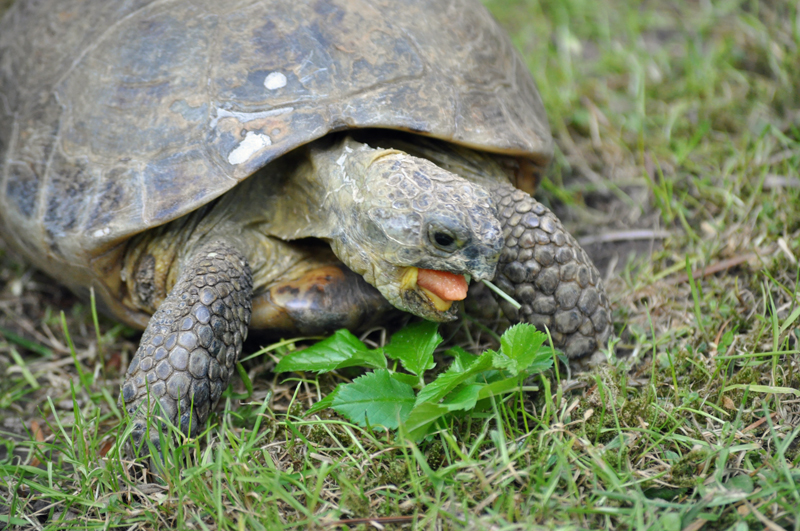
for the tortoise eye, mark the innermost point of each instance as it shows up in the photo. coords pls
(443, 240)
(446, 235)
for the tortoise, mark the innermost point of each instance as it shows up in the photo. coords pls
(210, 167)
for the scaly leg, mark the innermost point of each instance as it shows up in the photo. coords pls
(191, 344)
(546, 270)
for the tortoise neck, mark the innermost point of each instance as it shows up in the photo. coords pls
(344, 198)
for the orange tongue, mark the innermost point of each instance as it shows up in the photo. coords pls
(446, 286)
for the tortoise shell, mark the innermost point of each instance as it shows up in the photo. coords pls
(117, 117)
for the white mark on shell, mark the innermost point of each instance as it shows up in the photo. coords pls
(340, 160)
(252, 143)
(275, 80)
(99, 233)
(244, 117)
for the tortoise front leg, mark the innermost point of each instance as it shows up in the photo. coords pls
(546, 270)
(191, 344)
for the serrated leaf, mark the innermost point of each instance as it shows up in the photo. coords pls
(376, 397)
(413, 346)
(450, 379)
(542, 361)
(502, 362)
(341, 350)
(522, 344)
(443, 384)
(463, 398)
(425, 414)
(462, 359)
(370, 358)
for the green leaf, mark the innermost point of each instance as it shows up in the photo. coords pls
(670, 521)
(522, 345)
(743, 483)
(414, 346)
(376, 397)
(542, 361)
(11, 520)
(502, 362)
(727, 498)
(341, 350)
(450, 379)
(463, 398)
(408, 379)
(427, 413)
(463, 359)
(498, 388)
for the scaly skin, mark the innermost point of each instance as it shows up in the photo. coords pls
(543, 268)
(190, 347)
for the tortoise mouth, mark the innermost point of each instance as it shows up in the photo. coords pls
(437, 290)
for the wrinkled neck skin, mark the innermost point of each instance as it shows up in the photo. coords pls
(321, 189)
(346, 210)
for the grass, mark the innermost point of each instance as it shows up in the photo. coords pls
(677, 127)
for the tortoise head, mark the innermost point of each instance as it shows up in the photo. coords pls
(406, 215)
